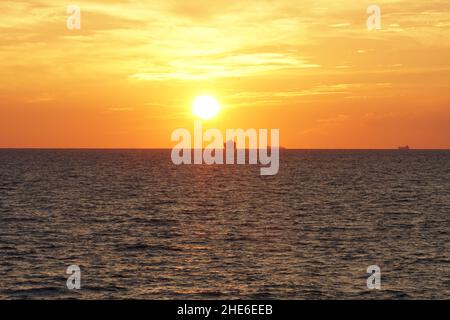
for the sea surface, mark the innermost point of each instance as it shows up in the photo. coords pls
(140, 227)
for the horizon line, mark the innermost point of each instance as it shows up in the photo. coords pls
(168, 148)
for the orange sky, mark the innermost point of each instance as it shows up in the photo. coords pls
(309, 68)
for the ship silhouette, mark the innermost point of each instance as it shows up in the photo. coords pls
(231, 144)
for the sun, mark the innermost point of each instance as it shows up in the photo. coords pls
(205, 107)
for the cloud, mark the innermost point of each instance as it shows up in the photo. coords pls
(207, 40)
(121, 109)
(38, 100)
(339, 25)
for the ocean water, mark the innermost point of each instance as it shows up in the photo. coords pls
(140, 227)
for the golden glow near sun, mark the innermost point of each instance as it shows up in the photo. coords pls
(205, 107)
(134, 68)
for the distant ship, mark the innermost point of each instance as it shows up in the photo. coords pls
(231, 144)
(404, 148)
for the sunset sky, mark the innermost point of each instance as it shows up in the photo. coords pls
(309, 68)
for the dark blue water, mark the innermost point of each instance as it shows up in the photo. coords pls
(140, 227)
